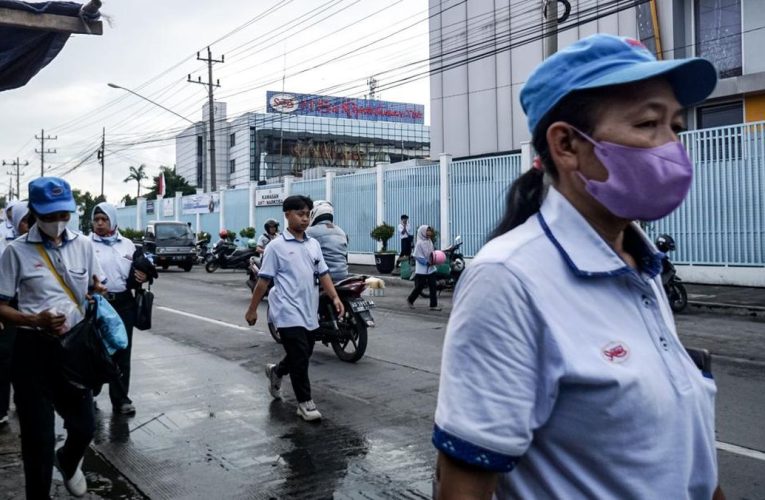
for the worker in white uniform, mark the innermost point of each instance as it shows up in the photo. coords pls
(53, 270)
(562, 373)
(115, 255)
(6, 226)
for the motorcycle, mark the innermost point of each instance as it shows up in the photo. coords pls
(673, 287)
(229, 256)
(202, 251)
(347, 334)
(252, 271)
(448, 273)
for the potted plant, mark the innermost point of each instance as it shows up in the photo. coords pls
(385, 260)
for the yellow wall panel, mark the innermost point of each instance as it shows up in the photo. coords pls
(754, 108)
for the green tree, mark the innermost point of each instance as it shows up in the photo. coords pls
(86, 202)
(129, 200)
(137, 175)
(174, 183)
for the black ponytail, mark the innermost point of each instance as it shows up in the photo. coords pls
(527, 192)
(524, 199)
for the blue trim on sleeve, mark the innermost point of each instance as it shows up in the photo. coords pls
(422, 260)
(5, 298)
(322, 274)
(707, 374)
(265, 276)
(471, 454)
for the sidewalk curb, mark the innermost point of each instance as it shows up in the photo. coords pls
(729, 309)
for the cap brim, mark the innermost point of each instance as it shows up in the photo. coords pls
(56, 206)
(692, 80)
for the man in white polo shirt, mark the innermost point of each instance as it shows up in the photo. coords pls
(294, 263)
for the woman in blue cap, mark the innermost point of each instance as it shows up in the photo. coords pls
(54, 270)
(568, 380)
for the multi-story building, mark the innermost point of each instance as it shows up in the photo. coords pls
(482, 51)
(302, 134)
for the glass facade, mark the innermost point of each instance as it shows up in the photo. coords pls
(718, 34)
(285, 144)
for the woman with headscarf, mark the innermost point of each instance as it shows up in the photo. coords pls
(115, 254)
(424, 272)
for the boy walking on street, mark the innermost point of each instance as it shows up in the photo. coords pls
(294, 263)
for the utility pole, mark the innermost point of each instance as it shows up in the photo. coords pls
(551, 20)
(372, 83)
(102, 158)
(43, 151)
(211, 97)
(18, 173)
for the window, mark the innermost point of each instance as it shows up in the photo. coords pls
(232, 166)
(718, 34)
(720, 115)
(232, 140)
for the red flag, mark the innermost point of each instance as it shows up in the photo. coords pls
(161, 185)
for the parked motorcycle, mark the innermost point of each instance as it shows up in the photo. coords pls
(676, 293)
(229, 256)
(347, 334)
(448, 273)
(252, 271)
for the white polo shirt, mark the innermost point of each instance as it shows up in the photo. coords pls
(23, 269)
(562, 369)
(295, 268)
(115, 258)
(7, 235)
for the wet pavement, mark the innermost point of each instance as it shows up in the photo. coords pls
(206, 426)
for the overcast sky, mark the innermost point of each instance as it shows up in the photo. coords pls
(70, 98)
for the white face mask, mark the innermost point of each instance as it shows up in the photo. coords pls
(52, 229)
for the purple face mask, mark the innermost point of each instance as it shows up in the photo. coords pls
(643, 183)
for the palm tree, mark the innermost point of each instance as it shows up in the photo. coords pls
(137, 174)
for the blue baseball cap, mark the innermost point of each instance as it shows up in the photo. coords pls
(49, 195)
(605, 60)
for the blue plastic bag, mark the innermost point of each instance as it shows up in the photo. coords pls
(110, 326)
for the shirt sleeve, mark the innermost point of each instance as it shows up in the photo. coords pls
(95, 266)
(269, 264)
(495, 386)
(321, 267)
(10, 275)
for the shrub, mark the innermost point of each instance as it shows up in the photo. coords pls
(383, 233)
(248, 232)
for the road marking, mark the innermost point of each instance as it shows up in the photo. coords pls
(740, 450)
(208, 320)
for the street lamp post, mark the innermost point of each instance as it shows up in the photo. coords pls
(115, 86)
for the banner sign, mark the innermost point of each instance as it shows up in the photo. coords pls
(168, 207)
(205, 203)
(269, 197)
(150, 207)
(344, 107)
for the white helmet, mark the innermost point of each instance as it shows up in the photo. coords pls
(322, 210)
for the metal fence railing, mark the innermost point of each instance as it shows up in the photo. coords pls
(477, 191)
(721, 223)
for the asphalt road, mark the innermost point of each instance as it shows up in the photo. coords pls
(395, 385)
(207, 428)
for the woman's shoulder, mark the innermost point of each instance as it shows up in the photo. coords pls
(526, 242)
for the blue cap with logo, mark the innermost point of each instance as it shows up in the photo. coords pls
(49, 195)
(605, 60)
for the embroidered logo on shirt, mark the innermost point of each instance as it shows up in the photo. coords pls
(616, 352)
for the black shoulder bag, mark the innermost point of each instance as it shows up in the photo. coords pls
(85, 362)
(144, 301)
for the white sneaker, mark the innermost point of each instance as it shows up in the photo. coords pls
(76, 485)
(3, 420)
(308, 411)
(275, 381)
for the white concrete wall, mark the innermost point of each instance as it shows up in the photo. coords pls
(186, 154)
(713, 275)
(240, 152)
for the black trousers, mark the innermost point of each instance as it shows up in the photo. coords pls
(420, 282)
(126, 308)
(7, 337)
(406, 246)
(38, 391)
(298, 344)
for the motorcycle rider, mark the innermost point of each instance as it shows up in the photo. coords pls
(271, 227)
(331, 238)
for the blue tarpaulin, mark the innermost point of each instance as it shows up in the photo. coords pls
(24, 52)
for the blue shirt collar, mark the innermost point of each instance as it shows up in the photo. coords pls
(585, 252)
(99, 239)
(34, 236)
(288, 236)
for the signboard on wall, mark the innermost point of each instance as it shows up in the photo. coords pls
(344, 107)
(205, 203)
(150, 207)
(168, 207)
(269, 197)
